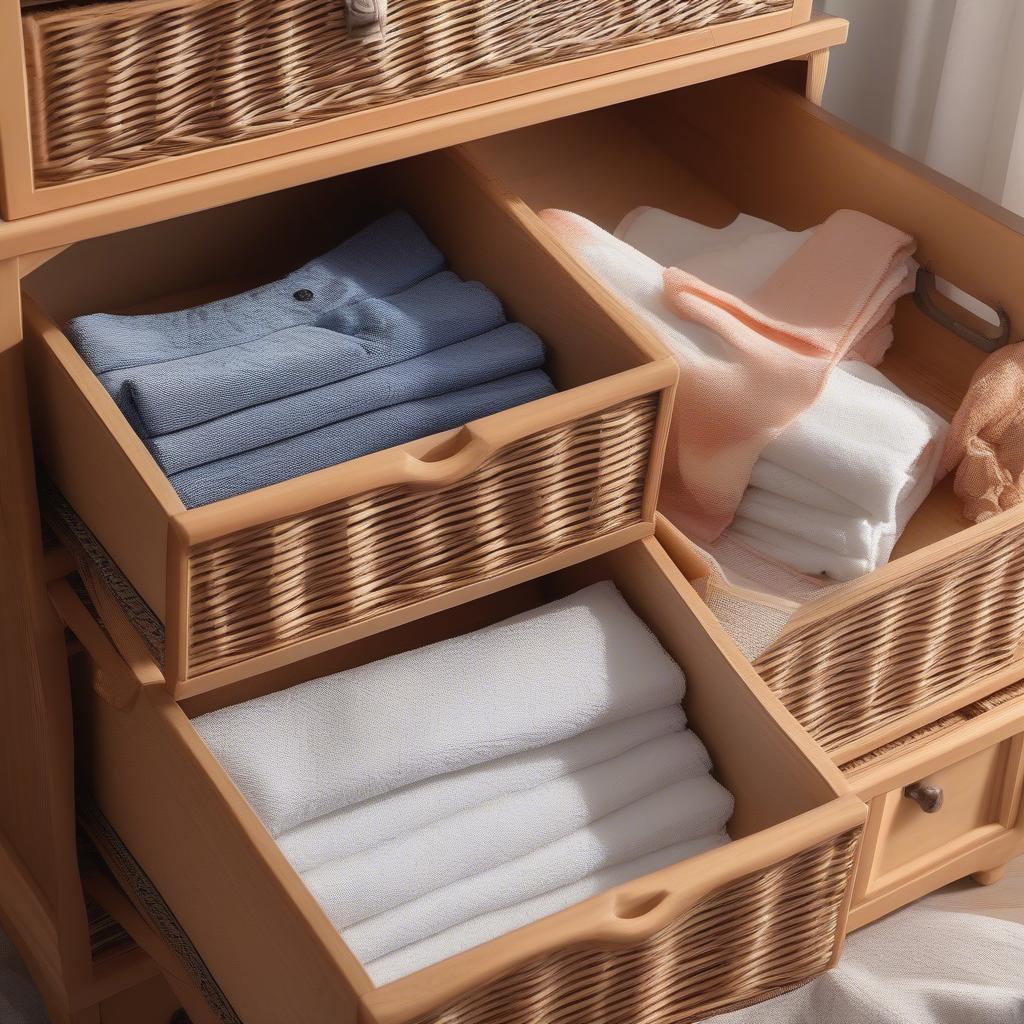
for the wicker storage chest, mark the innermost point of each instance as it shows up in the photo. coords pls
(762, 914)
(943, 623)
(268, 576)
(113, 86)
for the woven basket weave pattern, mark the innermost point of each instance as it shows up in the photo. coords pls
(270, 586)
(753, 938)
(136, 81)
(945, 724)
(849, 675)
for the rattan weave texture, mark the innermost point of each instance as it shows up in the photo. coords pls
(847, 675)
(266, 587)
(117, 85)
(751, 939)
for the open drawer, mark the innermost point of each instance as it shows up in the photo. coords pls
(938, 626)
(732, 925)
(249, 582)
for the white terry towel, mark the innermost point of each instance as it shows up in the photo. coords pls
(537, 678)
(489, 926)
(863, 440)
(375, 821)
(684, 811)
(833, 493)
(738, 258)
(373, 881)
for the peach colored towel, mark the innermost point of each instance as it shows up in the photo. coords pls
(752, 364)
(986, 440)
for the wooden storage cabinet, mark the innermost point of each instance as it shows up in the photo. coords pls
(739, 923)
(47, 209)
(798, 874)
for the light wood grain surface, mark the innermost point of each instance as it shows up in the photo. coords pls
(1005, 899)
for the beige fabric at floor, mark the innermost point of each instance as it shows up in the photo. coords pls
(916, 967)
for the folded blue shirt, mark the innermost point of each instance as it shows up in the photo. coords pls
(170, 396)
(390, 255)
(355, 437)
(506, 350)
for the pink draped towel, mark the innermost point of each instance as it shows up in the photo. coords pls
(832, 299)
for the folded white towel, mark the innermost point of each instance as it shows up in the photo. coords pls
(368, 883)
(793, 550)
(489, 926)
(854, 536)
(678, 813)
(375, 821)
(771, 477)
(534, 679)
(863, 440)
(834, 492)
(738, 258)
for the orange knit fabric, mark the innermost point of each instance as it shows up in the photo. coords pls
(986, 440)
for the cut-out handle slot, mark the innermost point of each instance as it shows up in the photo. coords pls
(450, 462)
(628, 908)
(986, 341)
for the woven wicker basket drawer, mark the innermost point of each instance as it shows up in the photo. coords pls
(764, 913)
(944, 621)
(117, 87)
(280, 573)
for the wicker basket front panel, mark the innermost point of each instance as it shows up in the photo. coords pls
(945, 629)
(761, 935)
(270, 586)
(137, 81)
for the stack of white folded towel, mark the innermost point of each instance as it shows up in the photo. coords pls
(439, 798)
(832, 493)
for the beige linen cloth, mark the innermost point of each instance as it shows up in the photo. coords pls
(915, 967)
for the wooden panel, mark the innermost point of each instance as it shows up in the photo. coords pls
(980, 826)
(97, 461)
(37, 824)
(970, 791)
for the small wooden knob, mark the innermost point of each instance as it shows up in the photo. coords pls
(928, 798)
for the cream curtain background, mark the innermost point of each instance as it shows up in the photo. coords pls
(941, 80)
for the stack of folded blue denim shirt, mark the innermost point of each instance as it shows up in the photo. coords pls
(371, 345)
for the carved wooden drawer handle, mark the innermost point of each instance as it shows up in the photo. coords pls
(928, 798)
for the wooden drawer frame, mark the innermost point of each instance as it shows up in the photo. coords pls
(41, 892)
(254, 922)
